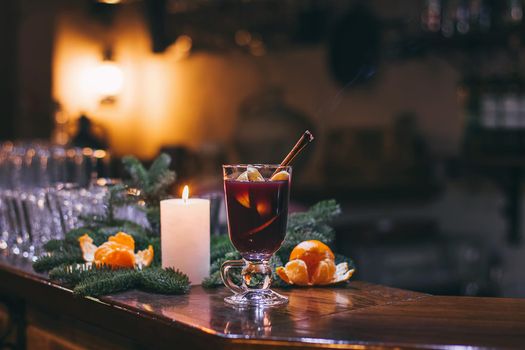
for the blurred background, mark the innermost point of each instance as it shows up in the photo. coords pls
(418, 108)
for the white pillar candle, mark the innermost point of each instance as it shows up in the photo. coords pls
(185, 236)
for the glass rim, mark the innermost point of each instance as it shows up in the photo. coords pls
(256, 166)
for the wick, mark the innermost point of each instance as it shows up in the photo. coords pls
(303, 141)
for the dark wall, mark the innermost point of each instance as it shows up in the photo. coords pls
(35, 35)
(26, 46)
(8, 29)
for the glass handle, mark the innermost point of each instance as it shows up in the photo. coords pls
(225, 275)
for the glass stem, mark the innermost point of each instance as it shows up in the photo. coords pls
(256, 275)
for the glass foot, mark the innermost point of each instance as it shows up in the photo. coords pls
(257, 298)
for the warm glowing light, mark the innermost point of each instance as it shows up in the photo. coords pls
(181, 48)
(257, 48)
(88, 152)
(102, 182)
(99, 153)
(30, 153)
(185, 193)
(110, 2)
(106, 79)
(184, 43)
(162, 99)
(243, 37)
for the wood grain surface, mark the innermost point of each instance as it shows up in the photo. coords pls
(359, 315)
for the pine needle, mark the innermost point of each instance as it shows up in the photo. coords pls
(48, 262)
(164, 281)
(108, 283)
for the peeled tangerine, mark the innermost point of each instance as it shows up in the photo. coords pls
(313, 263)
(118, 252)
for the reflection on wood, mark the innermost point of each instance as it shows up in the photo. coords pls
(359, 314)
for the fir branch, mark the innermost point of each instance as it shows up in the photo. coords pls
(153, 216)
(101, 280)
(158, 189)
(120, 195)
(68, 274)
(159, 167)
(325, 211)
(93, 219)
(72, 235)
(153, 184)
(108, 283)
(136, 170)
(114, 197)
(160, 178)
(220, 246)
(97, 234)
(164, 281)
(71, 275)
(212, 281)
(48, 262)
(312, 224)
(55, 245)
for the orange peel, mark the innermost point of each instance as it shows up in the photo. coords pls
(117, 252)
(144, 257)
(87, 247)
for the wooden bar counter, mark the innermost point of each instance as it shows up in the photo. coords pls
(39, 314)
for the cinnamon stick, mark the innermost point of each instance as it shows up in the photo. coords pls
(303, 141)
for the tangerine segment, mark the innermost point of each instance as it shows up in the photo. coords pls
(281, 272)
(115, 255)
(325, 273)
(144, 257)
(297, 272)
(312, 253)
(104, 250)
(120, 258)
(123, 239)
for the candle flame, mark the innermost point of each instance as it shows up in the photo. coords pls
(185, 193)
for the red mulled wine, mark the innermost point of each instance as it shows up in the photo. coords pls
(257, 216)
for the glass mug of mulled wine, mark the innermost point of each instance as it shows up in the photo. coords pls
(257, 199)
